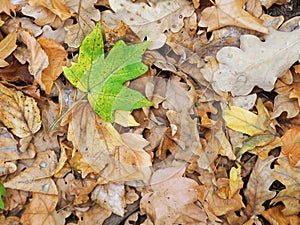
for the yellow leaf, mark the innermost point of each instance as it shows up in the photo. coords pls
(235, 181)
(244, 121)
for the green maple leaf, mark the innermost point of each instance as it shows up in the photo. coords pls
(103, 77)
(2, 193)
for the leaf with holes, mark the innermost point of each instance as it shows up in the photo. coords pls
(103, 77)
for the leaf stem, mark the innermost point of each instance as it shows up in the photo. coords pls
(54, 124)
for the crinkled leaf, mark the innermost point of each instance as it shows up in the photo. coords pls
(103, 78)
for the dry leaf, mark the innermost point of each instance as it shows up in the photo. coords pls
(144, 18)
(19, 113)
(57, 56)
(87, 14)
(7, 46)
(244, 121)
(290, 145)
(110, 197)
(269, 3)
(288, 176)
(257, 191)
(7, 6)
(209, 196)
(41, 210)
(256, 63)
(283, 103)
(172, 199)
(42, 15)
(103, 148)
(230, 12)
(36, 178)
(58, 7)
(95, 215)
(38, 60)
(276, 217)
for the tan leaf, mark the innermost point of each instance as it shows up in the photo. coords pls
(57, 56)
(36, 178)
(288, 176)
(110, 197)
(230, 12)
(7, 46)
(38, 60)
(212, 198)
(290, 145)
(125, 119)
(58, 7)
(41, 14)
(103, 148)
(254, 63)
(19, 113)
(87, 14)
(7, 7)
(95, 215)
(9, 150)
(41, 210)
(276, 217)
(283, 103)
(144, 18)
(172, 199)
(257, 191)
(269, 3)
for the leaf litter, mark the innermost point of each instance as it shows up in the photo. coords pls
(208, 133)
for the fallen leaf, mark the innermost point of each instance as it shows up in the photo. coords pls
(103, 148)
(230, 12)
(290, 145)
(19, 113)
(269, 3)
(57, 56)
(244, 121)
(58, 7)
(257, 191)
(125, 119)
(38, 59)
(36, 178)
(172, 199)
(276, 217)
(212, 201)
(144, 18)
(7, 6)
(41, 14)
(288, 176)
(256, 63)
(284, 103)
(103, 78)
(95, 215)
(110, 197)
(41, 210)
(7, 46)
(86, 15)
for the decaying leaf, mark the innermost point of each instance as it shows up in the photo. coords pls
(57, 56)
(290, 145)
(87, 16)
(19, 113)
(172, 199)
(256, 63)
(110, 197)
(7, 46)
(41, 210)
(144, 18)
(103, 148)
(288, 176)
(230, 12)
(37, 178)
(257, 191)
(95, 215)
